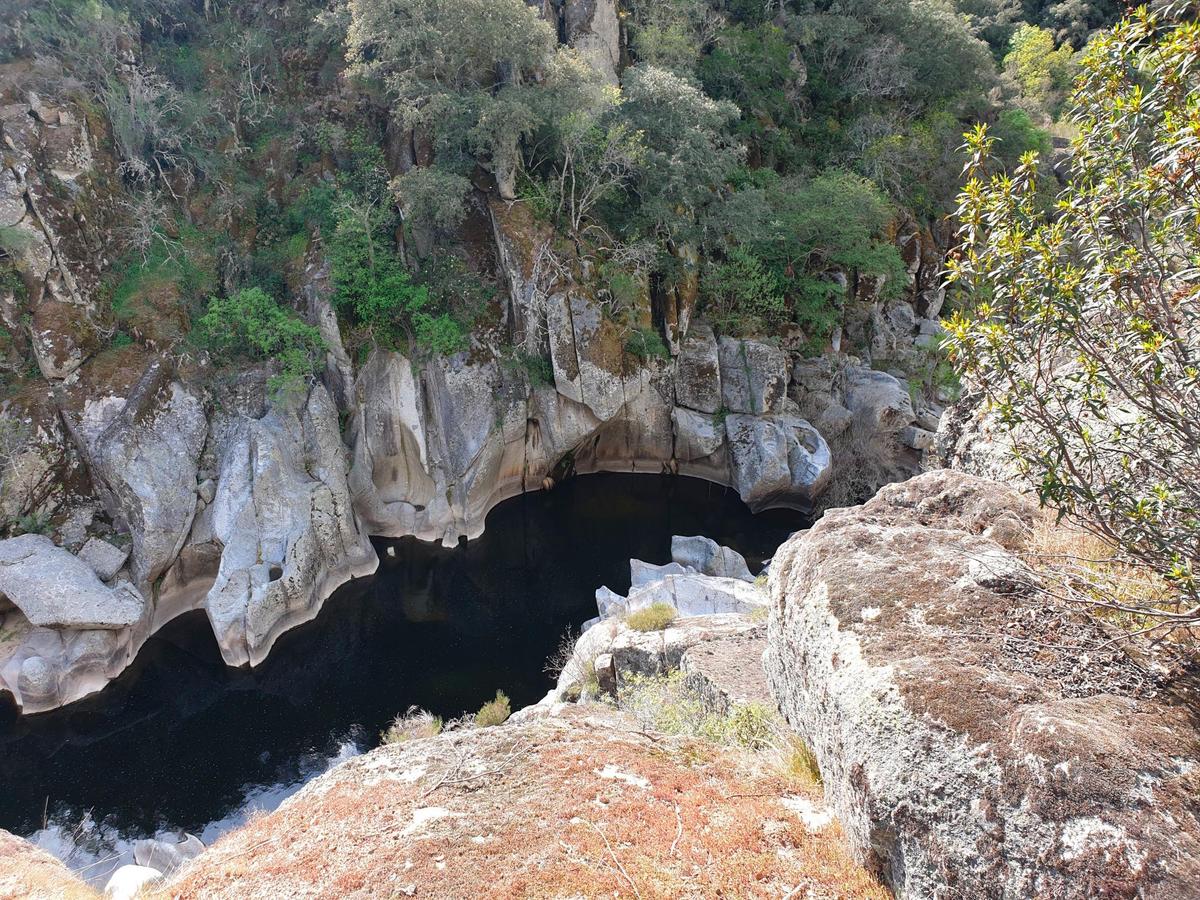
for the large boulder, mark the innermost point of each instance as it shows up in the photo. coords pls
(974, 741)
(284, 520)
(146, 459)
(777, 461)
(708, 557)
(698, 371)
(587, 351)
(645, 652)
(877, 400)
(754, 376)
(690, 593)
(54, 588)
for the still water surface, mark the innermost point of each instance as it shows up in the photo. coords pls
(181, 742)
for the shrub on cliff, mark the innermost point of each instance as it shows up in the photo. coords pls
(413, 725)
(494, 712)
(251, 325)
(1086, 334)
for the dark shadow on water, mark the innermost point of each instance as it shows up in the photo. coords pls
(182, 741)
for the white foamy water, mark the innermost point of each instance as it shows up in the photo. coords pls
(94, 850)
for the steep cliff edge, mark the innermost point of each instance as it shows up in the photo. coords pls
(975, 739)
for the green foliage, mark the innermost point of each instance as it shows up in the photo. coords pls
(655, 617)
(31, 523)
(250, 325)
(1083, 337)
(432, 199)
(789, 233)
(494, 712)
(438, 61)
(538, 369)
(11, 281)
(1043, 72)
(668, 703)
(753, 67)
(688, 151)
(14, 240)
(373, 289)
(743, 295)
(669, 34)
(187, 264)
(646, 344)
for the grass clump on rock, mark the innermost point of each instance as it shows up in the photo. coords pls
(494, 712)
(655, 617)
(413, 725)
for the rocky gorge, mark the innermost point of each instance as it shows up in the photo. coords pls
(180, 493)
(889, 700)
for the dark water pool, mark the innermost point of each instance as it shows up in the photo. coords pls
(181, 742)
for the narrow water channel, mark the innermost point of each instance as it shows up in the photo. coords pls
(181, 742)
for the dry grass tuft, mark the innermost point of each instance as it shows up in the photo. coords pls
(413, 725)
(654, 617)
(1083, 569)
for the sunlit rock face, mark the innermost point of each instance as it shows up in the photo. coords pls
(960, 757)
(199, 488)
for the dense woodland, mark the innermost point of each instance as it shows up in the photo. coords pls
(762, 150)
(779, 140)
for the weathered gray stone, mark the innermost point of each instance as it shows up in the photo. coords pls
(698, 371)
(284, 519)
(777, 460)
(697, 436)
(880, 402)
(53, 587)
(166, 856)
(708, 557)
(917, 438)
(129, 882)
(965, 752)
(593, 28)
(646, 652)
(105, 559)
(646, 573)
(147, 458)
(754, 376)
(690, 593)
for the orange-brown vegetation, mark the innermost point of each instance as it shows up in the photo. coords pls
(580, 804)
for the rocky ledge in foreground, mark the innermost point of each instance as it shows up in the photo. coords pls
(562, 801)
(974, 743)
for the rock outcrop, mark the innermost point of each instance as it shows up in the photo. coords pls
(965, 750)
(539, 806)
(255, 508)
(33, 874)
(708, 605)
(283, 519)
(52, 587)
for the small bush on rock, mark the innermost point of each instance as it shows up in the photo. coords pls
(800, 763)
(494, 712)
(413, 725)
(251, 325)
(670, 704)
(655, 617)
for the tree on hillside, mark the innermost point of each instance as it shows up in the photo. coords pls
(458, 69)
(1086, 335)
(1043, 72)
